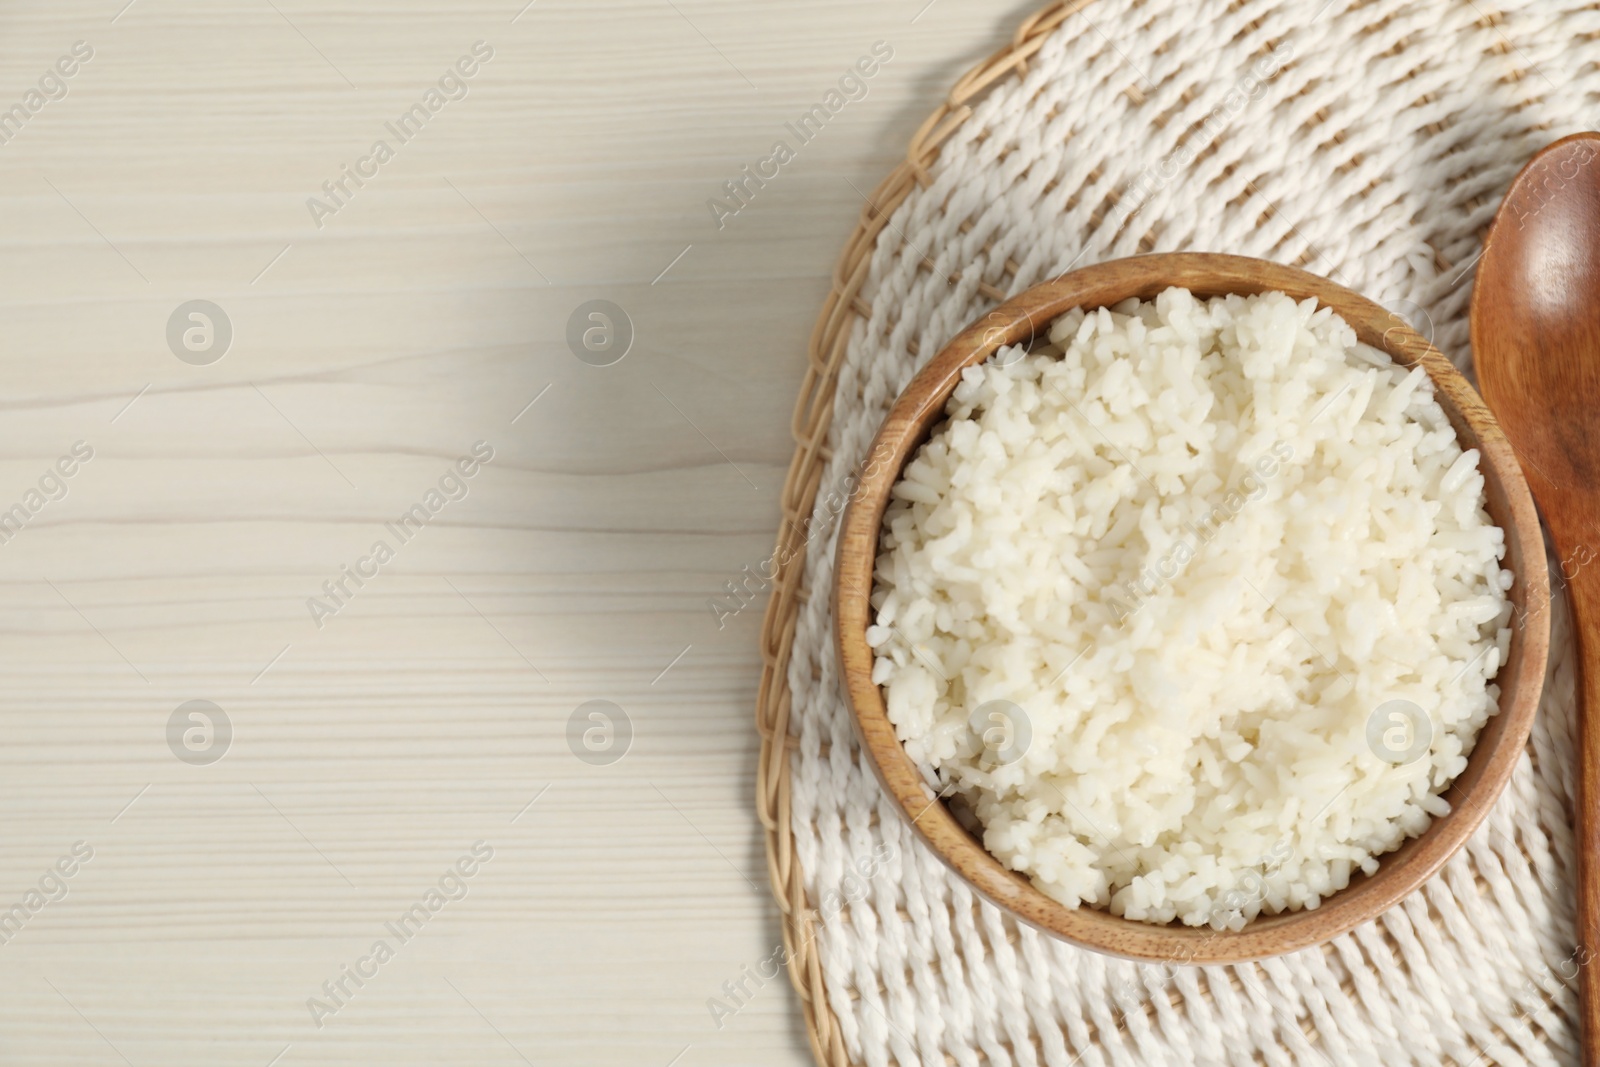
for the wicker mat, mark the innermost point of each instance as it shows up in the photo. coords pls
(1369, 142)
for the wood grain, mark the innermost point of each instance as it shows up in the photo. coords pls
(1499, 744)
(365, 358)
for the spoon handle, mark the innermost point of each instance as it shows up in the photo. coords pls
(1583, 591)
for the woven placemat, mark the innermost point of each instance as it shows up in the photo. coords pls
(1369, 142)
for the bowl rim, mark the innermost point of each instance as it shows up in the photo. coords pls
(1499, 745)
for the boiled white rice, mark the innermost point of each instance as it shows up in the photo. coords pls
(1142, 600)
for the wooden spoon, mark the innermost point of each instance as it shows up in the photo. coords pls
(1536, 343)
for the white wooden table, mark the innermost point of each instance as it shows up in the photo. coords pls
(372, 746)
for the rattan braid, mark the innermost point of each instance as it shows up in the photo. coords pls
(1003, 186)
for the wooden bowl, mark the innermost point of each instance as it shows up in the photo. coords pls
(1499, 744)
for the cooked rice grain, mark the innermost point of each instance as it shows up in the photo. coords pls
(1198, 550)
